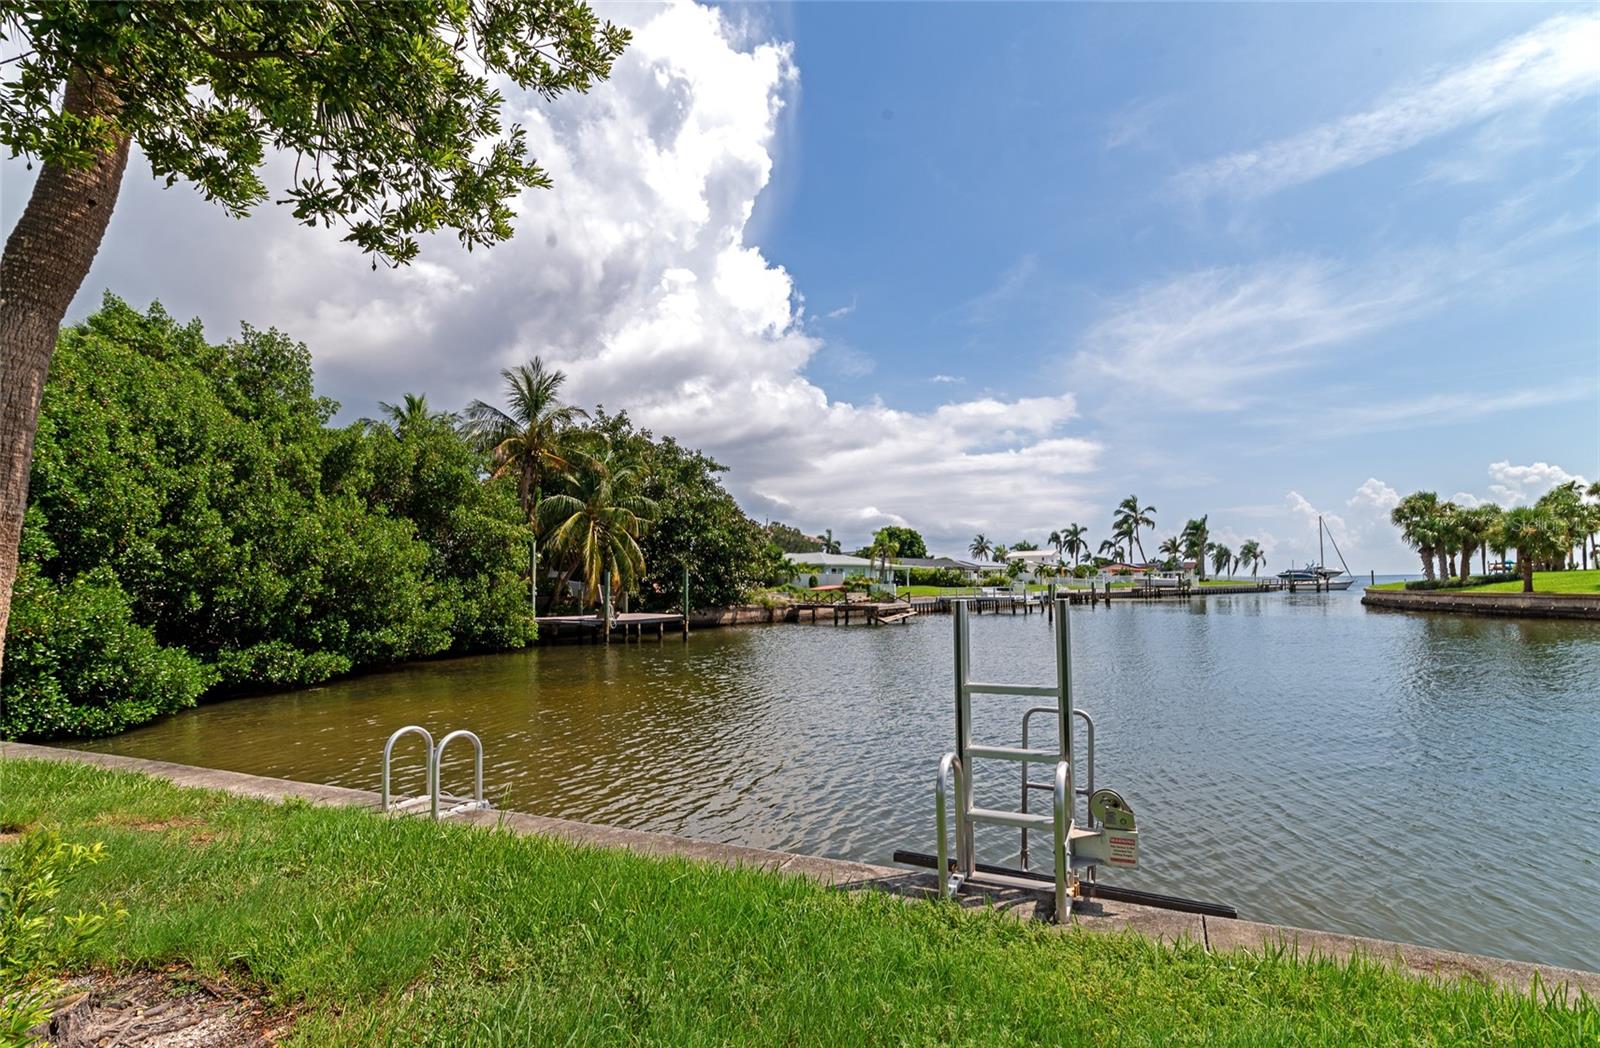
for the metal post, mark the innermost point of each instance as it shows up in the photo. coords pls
(1063, 798)
(1064, 684)
(965, 857)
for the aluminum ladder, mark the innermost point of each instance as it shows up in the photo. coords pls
(956, 770)
(454, 805)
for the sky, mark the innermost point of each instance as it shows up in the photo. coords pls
(992, 268)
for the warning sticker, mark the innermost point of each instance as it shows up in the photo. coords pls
(1124, 849)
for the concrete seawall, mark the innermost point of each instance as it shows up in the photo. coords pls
(1525, 605)
(1214, 933)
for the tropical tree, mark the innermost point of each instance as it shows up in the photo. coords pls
(829, 543)
(1564, 503)
(1250, 556)
(1073, 541)
(885, 547)
(1221, 558)
(1420, 522)
(1537, 536)
(1196, 541)
(1172, 549)
(596, 522)
(980, 547)
(1472, 529)
(397, 110)
(1130, 517)
(1000, 554)
(1110, 550)
(413, 411)
(534, 441)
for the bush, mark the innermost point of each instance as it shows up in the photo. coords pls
(995, 578)
(77, 663)
(1455, 583)
(947, 577)
(36, 939)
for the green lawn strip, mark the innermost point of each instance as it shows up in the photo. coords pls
(1543, 582)
(401, 931)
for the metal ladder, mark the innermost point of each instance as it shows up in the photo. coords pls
(1078, 848)
(456, 805)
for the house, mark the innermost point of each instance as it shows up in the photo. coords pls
(828, 569)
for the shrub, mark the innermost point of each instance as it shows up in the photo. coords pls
(1455, 583)
(995, 578)
(947, 577)
(77, 663)
(36, 939)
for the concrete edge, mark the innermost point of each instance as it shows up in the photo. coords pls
(1215, 934)
(1524, 605)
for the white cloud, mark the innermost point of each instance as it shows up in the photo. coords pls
(1438, 409)
(636, 275)
(1556, 61)
(946, 379)
(1375, 494)
(1518, 485)
(842, 311)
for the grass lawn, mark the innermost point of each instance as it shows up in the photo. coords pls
(381, 931)
(1543, 582)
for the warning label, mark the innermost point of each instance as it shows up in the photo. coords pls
(1124, 849)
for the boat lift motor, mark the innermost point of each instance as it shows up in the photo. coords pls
(1106, 835)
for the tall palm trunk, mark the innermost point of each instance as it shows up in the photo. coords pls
(1444, 564)
(1426, 553)
(1466, 561)
(1525, 565)
(46, 258)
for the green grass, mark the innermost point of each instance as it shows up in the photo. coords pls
(1543, 582)
(378, 931)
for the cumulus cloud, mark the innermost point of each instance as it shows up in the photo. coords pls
(1556, 61)
(638, 277)
(1518, 485)
(1375, 494)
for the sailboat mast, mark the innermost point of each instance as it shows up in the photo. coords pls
(1322, 557)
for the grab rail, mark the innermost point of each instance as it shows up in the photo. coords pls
(949, 769)
(438, 758)
(388, 749)
(1083, 791)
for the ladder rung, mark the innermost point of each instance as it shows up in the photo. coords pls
(1016, 753)
(1043, 690)
(1050, 787)
(1021, 820)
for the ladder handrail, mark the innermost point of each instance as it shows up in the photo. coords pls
(949, 767)
(1063, 796)
(388, 748)
(438, 758)
(1082, 791)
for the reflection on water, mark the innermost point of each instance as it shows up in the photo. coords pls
(1417, 777)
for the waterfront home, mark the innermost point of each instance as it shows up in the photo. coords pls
(828, 569)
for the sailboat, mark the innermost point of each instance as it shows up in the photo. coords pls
(1319, 575)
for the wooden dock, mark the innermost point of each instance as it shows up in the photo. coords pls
(592, 627)
(843, 612)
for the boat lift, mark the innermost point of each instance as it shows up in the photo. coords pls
(1106, 835)
(440, 805)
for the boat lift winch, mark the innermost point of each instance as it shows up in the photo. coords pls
(440, 805)
(1107, 835)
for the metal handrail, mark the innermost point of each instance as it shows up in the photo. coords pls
(1063, 797)
(438, 758)
(388, 748)
(949, 769)
(1082, 791)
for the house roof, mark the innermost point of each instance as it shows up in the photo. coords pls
(828, 560)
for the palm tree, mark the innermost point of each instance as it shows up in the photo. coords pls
(1073, 541)
(1221, 558)
(598, 523)
(1000, 553)
(1196, 540)
(883, 549)
(829, 543)
(1419, 520)
(532, 441)
(412, 411)
(980, 547)
(1537, 535)
(1564, 504)
(1110, 550)
(1472, 528)
(1250, 555)
(1131, 518)
(1172, 549)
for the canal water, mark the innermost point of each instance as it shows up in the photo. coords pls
(1427, 778)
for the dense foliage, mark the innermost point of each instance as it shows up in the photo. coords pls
(790, 539)
(1556, 532)
(195, 523)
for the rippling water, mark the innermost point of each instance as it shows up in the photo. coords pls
(1426, 778)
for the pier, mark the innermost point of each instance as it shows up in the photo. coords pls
(592, 627)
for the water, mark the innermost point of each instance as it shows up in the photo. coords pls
(1427, 778)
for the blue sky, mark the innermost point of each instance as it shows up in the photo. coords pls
(993, 267)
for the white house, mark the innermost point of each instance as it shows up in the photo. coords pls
(829, 569)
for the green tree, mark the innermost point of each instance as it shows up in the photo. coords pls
(1564, 503)
(907, 541)
(979, 547)
(1130, 517)
(597, 522)
(792, 540)
(1001, 554)
(1196, 538)
(1472, 529)
(393, 111)
(534, 442)
(1250, 556)
(1420, 521)
(1537, 535)
(1171, 548)
(1221, 558)
(1074, 543)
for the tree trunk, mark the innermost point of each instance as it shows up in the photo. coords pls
(1526, 564)
(1426, 553)
(1444, 565)
(46, 258)
(1466, 562)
